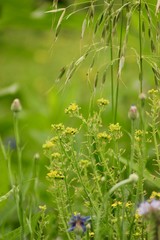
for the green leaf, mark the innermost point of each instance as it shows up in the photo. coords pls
(16, 234)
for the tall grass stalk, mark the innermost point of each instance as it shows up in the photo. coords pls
(111, 58)
(120, 54)
(140, 47)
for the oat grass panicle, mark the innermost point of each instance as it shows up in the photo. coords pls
(119, 44)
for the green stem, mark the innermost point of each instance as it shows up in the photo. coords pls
(19, 198)
(111, 57)
(19, 150)
(140, 48)
(119, 57)
(154, 131)
(132, 146)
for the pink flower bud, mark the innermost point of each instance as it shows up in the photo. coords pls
(133, 113)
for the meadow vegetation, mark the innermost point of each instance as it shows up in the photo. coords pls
(80, 134)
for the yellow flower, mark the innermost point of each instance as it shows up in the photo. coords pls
(55, 174)
(152, 91)
(154, 195)
(138, 218)
(139, 134)
(48, 145)
(91, 234)
(70, 131)
(56, 155)
(114, 127)
(73, 108)
(102, 102)
(115, 130)
(43, 208)
(104, 135)
(117, 203)
(128, 204)
(58, 127)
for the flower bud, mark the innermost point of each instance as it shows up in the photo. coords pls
(133, 113)
(16, 106)
(133, 177)
(36, 156)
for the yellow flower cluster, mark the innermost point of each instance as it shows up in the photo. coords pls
(56, 155)
(117, 203)
(155, 195)
(55, 174)
(58, 127)
(48, 145)
(102, 102)
(70, 131)
(152, 91)
(72, 109)
(114, 127)
(104, 135)
(115, 130)
(43, 208)
(139, 135)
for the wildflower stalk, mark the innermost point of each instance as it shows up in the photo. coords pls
(19, 150)
(62, 214)
(84, 186)
(79, 175)
(65, 180)
(16, 107)
(94, 165)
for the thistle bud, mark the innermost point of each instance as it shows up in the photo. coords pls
(133, 113)
(16, 106)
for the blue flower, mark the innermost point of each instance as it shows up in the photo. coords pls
(78, 223)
